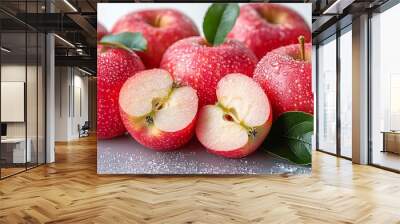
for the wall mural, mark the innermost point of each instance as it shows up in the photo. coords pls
(203, 88)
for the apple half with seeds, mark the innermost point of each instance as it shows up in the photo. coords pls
(157, 113)
(239, 122)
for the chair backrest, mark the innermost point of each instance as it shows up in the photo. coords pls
(86, 125)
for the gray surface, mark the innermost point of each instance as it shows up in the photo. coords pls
(124, 155)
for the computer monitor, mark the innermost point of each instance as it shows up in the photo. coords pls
(3, 129)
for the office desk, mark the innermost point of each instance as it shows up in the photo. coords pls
(391, 141)
(16, 147)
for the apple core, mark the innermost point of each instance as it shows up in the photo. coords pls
(152, 96)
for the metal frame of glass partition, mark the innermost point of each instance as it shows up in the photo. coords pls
(387, 5)
(40, 37)
(333, 37)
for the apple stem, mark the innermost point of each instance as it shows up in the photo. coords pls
(302, 50)
(157, 22)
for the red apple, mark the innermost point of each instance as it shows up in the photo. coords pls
(101, 31)
(192, 61)
(264, 26)
(156, 112)
(160, 27)
(114, 67)
(285, 76)
(238, 124)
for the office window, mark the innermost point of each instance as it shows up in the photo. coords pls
(346, 92)
(327, 95)
(385, 89)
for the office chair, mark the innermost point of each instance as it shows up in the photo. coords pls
(84, 130)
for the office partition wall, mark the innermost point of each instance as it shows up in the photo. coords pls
(22, 76)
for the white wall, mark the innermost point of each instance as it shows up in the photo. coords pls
(61, 103)
(79, 117)
(16, 73)
(33, 126)
(69, 82)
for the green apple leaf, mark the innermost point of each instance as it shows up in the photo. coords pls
(128, 41)
(218, 21)
(290, 137)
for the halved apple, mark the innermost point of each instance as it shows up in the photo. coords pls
(157, 113)
(239, 122)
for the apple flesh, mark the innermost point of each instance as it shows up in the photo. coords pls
(263, 27)
(114, 67)
(157, 113)
(286, 79)
(160, 27)
(192, 61)
(238, 124)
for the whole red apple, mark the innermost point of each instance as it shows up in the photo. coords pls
(238, 124)
(201, 62)
(193, 62)
(114, 67)
(285, 76)
(157, 113)
(101, 31)
(265, 26)
(160, 27)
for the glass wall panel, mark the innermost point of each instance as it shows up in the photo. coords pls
(41, 98)
(31, 97)
(346, 93)
(327, 96)
(385, 89)
(22, 77)
(14, 153)
(314, 83)
(32, 87)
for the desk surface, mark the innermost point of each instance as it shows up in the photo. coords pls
(12, 140)
(391, 132)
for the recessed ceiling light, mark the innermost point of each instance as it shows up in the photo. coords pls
(5, 50)
(84, 71)
(64, 40)
(338, 6)
(70, 5)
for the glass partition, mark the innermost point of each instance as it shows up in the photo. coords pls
(22, 77)
(327, 95)
(14, 153)
(346, 92)
(32, 96)
(41, 97)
